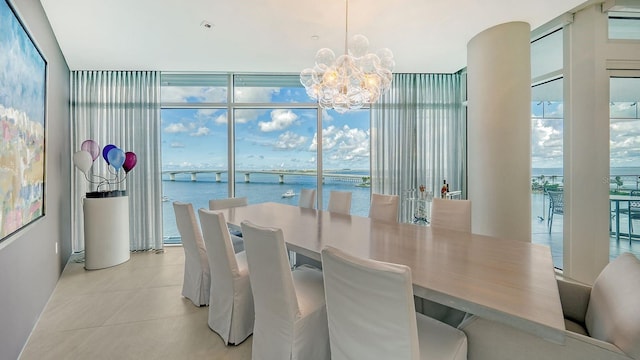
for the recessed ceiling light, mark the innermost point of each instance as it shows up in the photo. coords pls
(315, 37)
(207, 25)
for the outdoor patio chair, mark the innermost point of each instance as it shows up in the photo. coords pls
(634, 212)
(556, 206)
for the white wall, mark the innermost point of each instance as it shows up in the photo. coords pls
(29, 265)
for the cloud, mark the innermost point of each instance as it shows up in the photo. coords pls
(255, 94)
(244, 116)
(194, 94)
(290, 140)
(202, 131)
(546, 143)
(221, 119)
(176, 145)
(176, 128)
(280, 120)
(343, 144)
(625, 142)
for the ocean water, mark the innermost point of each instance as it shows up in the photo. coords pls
(261, 188)
(266, 188)
(630, 176)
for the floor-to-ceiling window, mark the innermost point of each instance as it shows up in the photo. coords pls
(624, 154)
(345, 157)
(547, 117)
(256, 135)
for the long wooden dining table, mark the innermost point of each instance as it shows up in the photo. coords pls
(508, 281)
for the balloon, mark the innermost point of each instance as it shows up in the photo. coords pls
(130, 160)
(92, 148)
(105, 152)
(115, 158)
(82, 159)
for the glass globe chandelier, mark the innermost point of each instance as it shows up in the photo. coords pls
(352, 80)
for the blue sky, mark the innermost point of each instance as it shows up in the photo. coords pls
(275, 138)
(22, 79)
(287, 138)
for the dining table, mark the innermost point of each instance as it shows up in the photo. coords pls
(504, 280)
(616, 200)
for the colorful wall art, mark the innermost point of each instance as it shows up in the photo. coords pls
(22, 125)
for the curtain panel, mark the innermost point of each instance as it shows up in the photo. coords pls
(418, 135)
(120, 108)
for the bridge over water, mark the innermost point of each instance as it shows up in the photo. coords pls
(280, 173)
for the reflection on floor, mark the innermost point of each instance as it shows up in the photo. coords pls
(130, 311)
(540, 233)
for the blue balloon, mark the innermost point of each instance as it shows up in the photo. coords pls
(105, 152)
(116, 158)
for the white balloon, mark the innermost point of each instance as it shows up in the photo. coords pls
(82, 160)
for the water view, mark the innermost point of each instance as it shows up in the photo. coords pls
(261, 188)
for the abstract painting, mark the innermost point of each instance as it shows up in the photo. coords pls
(22, 125)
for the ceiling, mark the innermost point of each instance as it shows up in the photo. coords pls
(276, 36)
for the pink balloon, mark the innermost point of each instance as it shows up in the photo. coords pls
(92, 148)
(130, 160)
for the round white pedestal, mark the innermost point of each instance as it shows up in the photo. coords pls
(106, 232)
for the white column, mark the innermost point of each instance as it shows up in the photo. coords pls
(499, 128)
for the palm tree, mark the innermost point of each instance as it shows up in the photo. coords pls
(618, 183)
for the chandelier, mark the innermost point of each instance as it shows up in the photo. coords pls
(352, 80)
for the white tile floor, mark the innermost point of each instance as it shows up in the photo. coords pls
(130, 311)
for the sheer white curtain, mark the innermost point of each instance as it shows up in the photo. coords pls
(120, 108)
(418, 134)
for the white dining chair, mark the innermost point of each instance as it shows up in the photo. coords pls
(236, 233)
(291, 317)
(371, 313)
(339, 202)
(307, 198)
(384, 207)
(231, 302)
(451, 214)
(197, 276)
(219, 204)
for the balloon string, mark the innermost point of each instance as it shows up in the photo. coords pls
(105, 181)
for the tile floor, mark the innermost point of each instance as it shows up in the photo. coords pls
(130, 311)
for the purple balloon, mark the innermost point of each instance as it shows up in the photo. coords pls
(130, 160)
(92, 148)
(116, 158)
(105, 152)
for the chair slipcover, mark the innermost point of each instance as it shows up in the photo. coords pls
(371, 313)
(612, 314)
(384, 207)
(197, 278)
(339, 202)
(219, 204)
(291, 317)
(307, 198)
(236, 233)
(231, 303)
(607, 310)
(451, 214)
